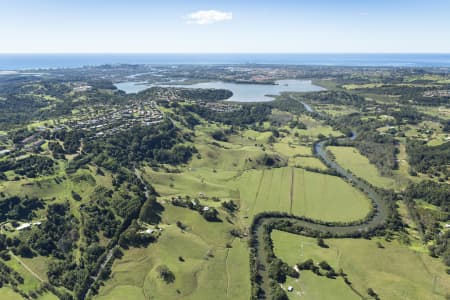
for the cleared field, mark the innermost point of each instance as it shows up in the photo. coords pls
(291, 150)
(393, 272)
(264, 190)
(313, 195)
(315, 128)
(38, 264)
(223, 274)
(325, 197)
(350, 158)
(192, 182)
(308, 162)
(362, 86)
(310, 287)
(8, 293)
(30, 282)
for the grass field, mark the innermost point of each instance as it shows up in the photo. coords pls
(314, 195)
(30, 281)
(307, 162)
(7, 293)
(350, 158)
(310, 286)
(325, 197)
(393, 272)
(222, 275)
(292, 150)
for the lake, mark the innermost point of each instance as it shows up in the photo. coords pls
(242, 92)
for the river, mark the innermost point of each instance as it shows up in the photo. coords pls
(259, 226)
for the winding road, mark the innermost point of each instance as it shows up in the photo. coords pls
(259, 224)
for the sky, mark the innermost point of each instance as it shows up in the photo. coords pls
(228, 26)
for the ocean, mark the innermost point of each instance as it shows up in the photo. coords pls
(47, 61)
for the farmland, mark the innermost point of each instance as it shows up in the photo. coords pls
(351, 159)
(394, 271)
(221, 200)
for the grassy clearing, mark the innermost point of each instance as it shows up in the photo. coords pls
(362, 86)
(38, 264)
(192, 182)
(310, 287)
(222, 275)
(30, 282)
(47, 296)
(335, 110)
(394, 272)
(314, 195)
(8, 293)
(325, 197)
(291, 150)
(264, 190)
(352, 159)
(307, 162)
(315, 128)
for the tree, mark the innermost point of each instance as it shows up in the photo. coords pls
(76, 196)
(165, 273)
(372, 293)
(306, 265)
(324, 265)
(150, 211)
(211, 215)
(24, 251)
(230, 206)
(321, 243)
(219, 135)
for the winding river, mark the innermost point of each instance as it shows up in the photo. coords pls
(378, 219)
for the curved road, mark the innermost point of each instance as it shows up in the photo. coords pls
(378, 219)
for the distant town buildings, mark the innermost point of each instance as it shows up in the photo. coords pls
(105, 120)
(437, 93)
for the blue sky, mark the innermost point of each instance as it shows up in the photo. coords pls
(186, 26)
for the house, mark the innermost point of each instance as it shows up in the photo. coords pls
(38, 143)
(147, 231)
(4, 152)
(206, 208)
(290, 288)
(23, 226)
(28, 140)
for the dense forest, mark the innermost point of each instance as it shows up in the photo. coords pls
(423, 158)
(154, 144)
(248, 114)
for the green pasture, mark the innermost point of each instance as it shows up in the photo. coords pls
(350, 158)
(210, 269)
(393, 272)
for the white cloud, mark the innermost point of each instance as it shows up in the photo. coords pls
(204, 17)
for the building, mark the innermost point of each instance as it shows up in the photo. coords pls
(4, 152)
(23, 226)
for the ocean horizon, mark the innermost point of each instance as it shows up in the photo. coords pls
(74, 60)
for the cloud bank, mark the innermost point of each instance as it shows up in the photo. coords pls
(205, 17)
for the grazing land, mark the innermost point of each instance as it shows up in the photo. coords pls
(368, 265)
(350, 158)
(174, 193)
